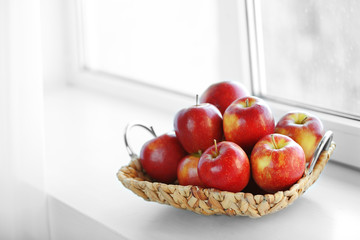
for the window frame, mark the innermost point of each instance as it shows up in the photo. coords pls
(346, 130)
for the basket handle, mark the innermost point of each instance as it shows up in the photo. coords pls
(126, 134)
(324, 144)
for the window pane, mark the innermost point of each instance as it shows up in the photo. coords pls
(312, 52)
(172, 44)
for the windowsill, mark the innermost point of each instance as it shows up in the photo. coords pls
(85, 149)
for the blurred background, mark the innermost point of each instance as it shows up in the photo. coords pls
(312, 53)
(310, 49)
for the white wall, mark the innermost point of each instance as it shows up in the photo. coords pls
(23, 203)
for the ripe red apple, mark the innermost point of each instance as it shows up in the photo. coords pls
(305, 128)
(277, 162)
(187, 172)
(224, 166)
(197, 126)
(160, 157)
(222, 94)
(246, 121)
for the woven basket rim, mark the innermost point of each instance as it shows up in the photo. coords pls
(210, 201)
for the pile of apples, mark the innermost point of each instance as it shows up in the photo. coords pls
(230, 141)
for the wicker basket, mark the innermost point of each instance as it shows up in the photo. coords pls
(209, 201)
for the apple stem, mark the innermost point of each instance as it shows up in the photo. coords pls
(216, 149)
(303, 121)
(197, 100)
(247, 102)
(273, 141)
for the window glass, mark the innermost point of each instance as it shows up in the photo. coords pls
(170, 44)
(312, 53)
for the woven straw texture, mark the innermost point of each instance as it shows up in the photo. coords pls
(208, 201)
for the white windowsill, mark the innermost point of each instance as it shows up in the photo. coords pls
(85, 149)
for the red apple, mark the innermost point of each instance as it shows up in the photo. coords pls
(197, 126)
(224, 166)
(246, 121)
(305, 128)
(160, 157)
(277, 162)
(187, 172)
(222, 94)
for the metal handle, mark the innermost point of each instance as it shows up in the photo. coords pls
(324, 144)
(126, 134)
